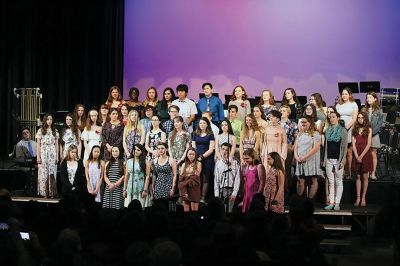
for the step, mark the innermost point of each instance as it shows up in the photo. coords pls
(335, 242)
(337, 227)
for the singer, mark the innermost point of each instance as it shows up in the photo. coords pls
(227, 178)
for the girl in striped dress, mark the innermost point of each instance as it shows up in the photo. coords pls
(114, 176)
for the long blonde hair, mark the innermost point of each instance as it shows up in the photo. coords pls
(136, 125)
(254, 126)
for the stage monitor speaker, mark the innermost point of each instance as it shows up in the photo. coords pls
(368, 86)
(353, 86)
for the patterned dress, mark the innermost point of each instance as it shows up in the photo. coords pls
(163, 179)
(47, 170)
(68, 138)
(94, 177)
(112, 136)
(270, 192)
(266, 110)
(114, 199)
(154, 139)
(132, 138)
(135, 185)
(224, 138)
(179, 147)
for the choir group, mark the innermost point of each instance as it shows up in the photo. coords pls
(176, 149)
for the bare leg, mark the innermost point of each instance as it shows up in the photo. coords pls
(358, 190)
(314, 187)
(349, 160)
(326, 190)
(364, 189)
(195, 206)
(374, 161)
(186, 206)
(300, 186)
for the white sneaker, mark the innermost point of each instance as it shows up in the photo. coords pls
(373, 177)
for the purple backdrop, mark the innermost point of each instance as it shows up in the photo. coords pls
(309, 45)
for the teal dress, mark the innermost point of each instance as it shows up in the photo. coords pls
(135, 185)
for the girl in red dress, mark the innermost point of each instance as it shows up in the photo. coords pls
(362, 160)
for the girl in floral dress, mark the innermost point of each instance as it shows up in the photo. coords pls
(47, 157)
(274, 184)
(135, 186)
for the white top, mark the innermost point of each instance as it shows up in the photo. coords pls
(93, 138)
(226, 176)
(187, 108)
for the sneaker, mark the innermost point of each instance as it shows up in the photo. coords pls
(329, 207)
(337, 207)
(373, 177)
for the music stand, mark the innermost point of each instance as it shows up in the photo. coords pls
(353, 86)
(368, 86)
(302, 100)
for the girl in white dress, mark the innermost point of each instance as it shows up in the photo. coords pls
(91, 135)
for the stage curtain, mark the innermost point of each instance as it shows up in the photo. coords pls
(72, 50)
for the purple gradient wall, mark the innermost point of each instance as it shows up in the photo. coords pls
(309, 45)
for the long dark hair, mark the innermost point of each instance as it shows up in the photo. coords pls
(83, 117)
(365, 126)
(285, 101)
(208, 129)
(44, 125)
(142, 157)
(277, 161)
(110, 98)
(314, 111)
(230, 130)
(113, 160)
(74, 127)
(174, 131)
(187, 162)
(90, 159)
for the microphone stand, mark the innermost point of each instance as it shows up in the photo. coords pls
(134, 160)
